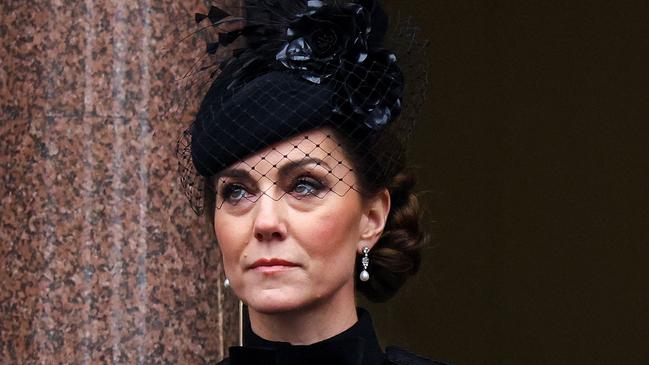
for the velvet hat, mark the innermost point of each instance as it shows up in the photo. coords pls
(295, 66)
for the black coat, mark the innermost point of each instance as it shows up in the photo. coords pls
(358, 345)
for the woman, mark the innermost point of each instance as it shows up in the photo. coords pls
(302, 155)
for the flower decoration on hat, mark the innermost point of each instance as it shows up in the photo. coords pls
(319, 40)
(333, 43)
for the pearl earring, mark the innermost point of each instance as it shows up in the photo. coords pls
(226, 283)
(365, 276)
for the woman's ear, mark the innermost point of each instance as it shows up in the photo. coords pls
(375, 215)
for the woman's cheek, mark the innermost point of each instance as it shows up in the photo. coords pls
(230, 241)
(328, 232)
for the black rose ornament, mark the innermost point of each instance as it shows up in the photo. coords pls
(320, 39)
(330, 43)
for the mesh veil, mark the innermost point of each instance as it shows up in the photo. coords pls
(307, 86)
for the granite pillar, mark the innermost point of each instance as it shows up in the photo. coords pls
(102, 261)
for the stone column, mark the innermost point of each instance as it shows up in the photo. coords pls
(102, 261)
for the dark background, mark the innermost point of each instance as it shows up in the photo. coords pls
(531, 154)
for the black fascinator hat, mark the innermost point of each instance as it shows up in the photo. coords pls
(293, 66)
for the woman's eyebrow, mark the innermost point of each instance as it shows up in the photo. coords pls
(235, 173)
(284, 169)
(293, 165)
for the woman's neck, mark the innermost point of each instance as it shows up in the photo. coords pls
(306, 325)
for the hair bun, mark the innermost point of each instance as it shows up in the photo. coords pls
(397, 254)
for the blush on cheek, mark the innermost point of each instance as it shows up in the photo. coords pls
(325, 229)
(332, 231)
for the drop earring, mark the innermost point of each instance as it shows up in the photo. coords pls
(226, 283)
(365, 276)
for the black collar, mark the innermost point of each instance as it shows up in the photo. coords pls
(358, 345)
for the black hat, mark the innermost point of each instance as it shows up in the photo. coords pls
(306, 65)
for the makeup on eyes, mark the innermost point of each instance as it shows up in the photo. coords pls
(304, 178)
(234, 192)
(303, 185)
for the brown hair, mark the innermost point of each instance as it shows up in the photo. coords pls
(397, 254)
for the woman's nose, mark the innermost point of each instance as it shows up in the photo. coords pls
(269, 221)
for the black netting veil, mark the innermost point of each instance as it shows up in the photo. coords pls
(299, 91)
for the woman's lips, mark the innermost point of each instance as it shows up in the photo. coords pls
(272, 265)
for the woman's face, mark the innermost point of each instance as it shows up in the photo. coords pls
(290, 228)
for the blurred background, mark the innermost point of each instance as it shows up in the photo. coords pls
(531, 153)
(533, 164)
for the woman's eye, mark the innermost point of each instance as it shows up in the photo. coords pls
(233, 193)
(305, 186)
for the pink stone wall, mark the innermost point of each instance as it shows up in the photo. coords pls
(101, 259)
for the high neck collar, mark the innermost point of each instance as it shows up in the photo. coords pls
(356, 345)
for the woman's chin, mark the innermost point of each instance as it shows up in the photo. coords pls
(274, 301)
